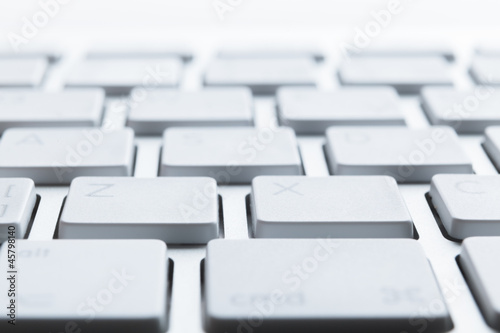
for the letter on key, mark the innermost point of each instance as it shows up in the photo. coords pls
(230, 154)
(87, 286)
(321, 285)
(17, 201)
(336, 207)
(175, 210)
(405, 154)
(57, 155)
(467, 204)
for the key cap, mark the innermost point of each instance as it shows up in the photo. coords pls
(263, 76)
(485, 70)
(270, 51)
(175, 210)
(405, 48)
(22, 72)
(210, 107)
(467, 112)
(329, 285)
(119, 76)
(334, 207)
(405, 154)
(309, 111)
(69, 108)
(492, 144)
(57, 155)
(139, 50)
(231, 155)
(406, 74)
(88, 285)
(467, 204)
(479, 261)
(17, 201)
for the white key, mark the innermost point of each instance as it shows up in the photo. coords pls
(485, 70)
(263, 76)
(88, 286)
(467, 204)
(138, 50)
(310, 111)
(230, 154)
(488, 49)
(27, 72)
(466, 111)
(405, 154)
(17, 201)
(479, 261)
(405, 48)
(270, 50)
(210, 107)
(333, 207)
(323, 285)
(69, 108)
(175, 210)
(406, 74)
(57, 155)
(492, 144)
(120, 75)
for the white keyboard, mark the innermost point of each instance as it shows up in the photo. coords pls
(157, 189)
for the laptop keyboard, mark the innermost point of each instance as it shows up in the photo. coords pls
(256, 198)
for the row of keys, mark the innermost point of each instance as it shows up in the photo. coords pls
(186, 210)
(325, 284)
(235, 155)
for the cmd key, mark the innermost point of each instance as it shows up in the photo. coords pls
(176, 210)
(333, 207)
(87, 286)
(68, 108)
(321, 285)
(407, 155)
(57, 155)
(26, 72)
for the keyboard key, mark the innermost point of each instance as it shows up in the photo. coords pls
(485, 70)
(405, 154)
(282, 285)
(492, 144)
(69, 108)
(210, 107)
(175, 210)
(479, 261)
(466, 111)
(139, 50)
(57, 155)
(270, 51)
(230, 154)
(309, 111)
(88, 286)
(27, 72)
(467, 204)
(17, 201)
(333, 207)
(119, 75)
(406, 74)
(263, 76)
(406, 48)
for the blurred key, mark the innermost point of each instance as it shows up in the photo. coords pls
(120, 75)
(309, 111)
(28, 72)
(17, 201)
(69, 108)
(270, 50)
(87, 286)
(405, 48)
(479, 260)
(321, 285)
(467, 204)
(333, 207)
(263, 76)
(175, 210)
(210, 107)
(492, 144)
(57, 155)
(405, 154)
(485, 70)
(139, 50)
(406, 74)
(466, 111)
(230, 154)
